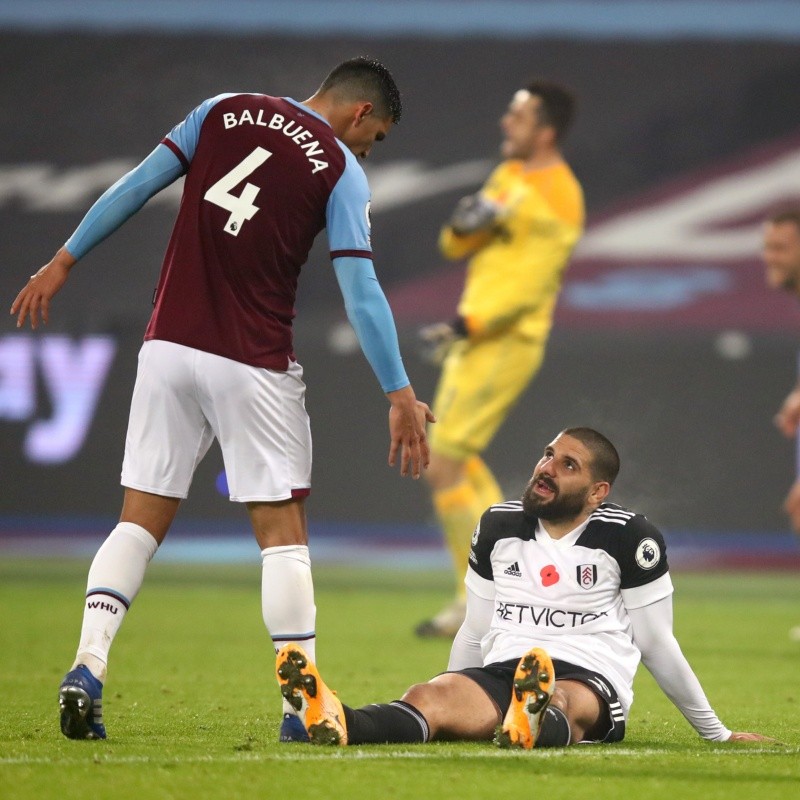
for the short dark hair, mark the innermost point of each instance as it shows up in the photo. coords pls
(558, 104)
(605, 458)
(786, 215)
(365, 78)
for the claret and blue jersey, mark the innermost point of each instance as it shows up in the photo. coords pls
(264, 175)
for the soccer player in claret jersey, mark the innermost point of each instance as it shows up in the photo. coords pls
(264, 175)
(565, 593)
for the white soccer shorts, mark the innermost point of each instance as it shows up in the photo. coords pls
(184, 398)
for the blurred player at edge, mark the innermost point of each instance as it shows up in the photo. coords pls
(263, 176)
(781, 253)
(518, 232)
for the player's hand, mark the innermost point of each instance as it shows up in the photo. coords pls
(791, 505)
(474, 213)
(437, 339)
(34, 300)
(741, 736)
(408, 418)
(788, 417)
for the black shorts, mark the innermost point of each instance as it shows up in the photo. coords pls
(497, 680)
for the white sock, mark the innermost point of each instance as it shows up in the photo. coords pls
(287, 599)
(115, 578)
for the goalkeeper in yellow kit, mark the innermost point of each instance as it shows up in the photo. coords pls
(518, 232)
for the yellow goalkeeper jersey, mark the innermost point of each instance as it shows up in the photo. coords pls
(514, 272)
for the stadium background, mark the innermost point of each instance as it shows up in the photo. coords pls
(688, 134)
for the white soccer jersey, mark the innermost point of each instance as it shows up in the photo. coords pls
(568, 595)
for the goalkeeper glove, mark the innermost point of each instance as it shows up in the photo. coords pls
(437, 339)
(474, 213)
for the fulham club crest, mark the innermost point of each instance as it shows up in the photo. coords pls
(587, 575)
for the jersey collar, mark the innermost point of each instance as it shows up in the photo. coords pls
(307, 110)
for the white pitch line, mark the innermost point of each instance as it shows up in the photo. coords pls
(374, 755)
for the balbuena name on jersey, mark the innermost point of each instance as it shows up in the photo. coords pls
(278, 122)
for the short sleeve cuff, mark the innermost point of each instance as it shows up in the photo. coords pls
(640, 596)
(482, 587)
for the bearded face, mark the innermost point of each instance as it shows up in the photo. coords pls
(543, 499)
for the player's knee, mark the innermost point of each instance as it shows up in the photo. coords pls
(427, 699)
(434, 474)
(444, 472)
(419, 693)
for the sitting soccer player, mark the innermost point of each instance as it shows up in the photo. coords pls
(565, 593)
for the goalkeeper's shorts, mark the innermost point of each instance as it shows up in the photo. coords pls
(479, 385)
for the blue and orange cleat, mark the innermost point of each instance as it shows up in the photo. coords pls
(292, 729)
(80, 699)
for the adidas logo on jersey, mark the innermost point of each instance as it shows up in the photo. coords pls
(513, 569)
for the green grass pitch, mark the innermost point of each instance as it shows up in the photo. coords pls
(192, 707)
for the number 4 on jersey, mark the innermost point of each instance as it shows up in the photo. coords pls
(241, 206)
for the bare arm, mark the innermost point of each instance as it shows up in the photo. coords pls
(791, 505)
(788, 417)
(787, 421)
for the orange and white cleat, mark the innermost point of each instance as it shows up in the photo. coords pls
(318, 708)
(534, 682)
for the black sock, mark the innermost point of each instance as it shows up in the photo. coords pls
(380, 724)
(555, 729)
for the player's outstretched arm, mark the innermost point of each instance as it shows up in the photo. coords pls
(407, 420)
(373, 323)
(117, 204)
(662, 655)
(792, 506)
(33, 302)
(788, 417)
